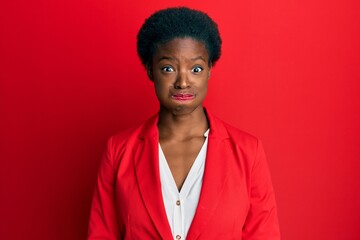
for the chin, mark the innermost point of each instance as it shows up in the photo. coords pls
(184, 110)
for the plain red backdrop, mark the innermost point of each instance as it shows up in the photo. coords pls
(70, 78)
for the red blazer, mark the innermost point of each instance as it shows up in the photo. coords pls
(236, 201)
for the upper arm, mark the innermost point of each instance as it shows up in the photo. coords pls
(103, 222)
(261, 222)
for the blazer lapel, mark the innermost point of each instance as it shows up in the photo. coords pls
(215, 176)
(146, 162)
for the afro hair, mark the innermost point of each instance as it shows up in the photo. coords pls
(178, 22)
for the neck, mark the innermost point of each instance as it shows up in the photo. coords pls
(182, 126)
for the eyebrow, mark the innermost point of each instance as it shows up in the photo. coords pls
(167, 58)
(175, 59)
(199, 57)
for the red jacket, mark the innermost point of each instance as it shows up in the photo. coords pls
(236, 201)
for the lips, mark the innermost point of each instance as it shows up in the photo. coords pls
(183, 96)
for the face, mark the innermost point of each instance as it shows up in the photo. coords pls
(180, 71)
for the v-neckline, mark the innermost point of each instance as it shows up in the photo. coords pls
(195, 167)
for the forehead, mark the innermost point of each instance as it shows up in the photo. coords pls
(182, 47)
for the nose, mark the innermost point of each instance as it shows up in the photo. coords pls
(182, 81)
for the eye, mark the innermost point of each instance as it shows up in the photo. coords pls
(197, 69)
(167, 69)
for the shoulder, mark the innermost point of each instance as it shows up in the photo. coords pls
(125, 135)
(243, 146)
(130, 136)
(242, 138)
(234, 134)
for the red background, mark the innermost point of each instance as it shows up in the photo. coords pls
(70, 78)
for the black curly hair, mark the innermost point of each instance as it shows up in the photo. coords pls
(178, 22)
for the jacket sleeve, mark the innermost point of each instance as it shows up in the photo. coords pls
(103, 224)
(261, 222)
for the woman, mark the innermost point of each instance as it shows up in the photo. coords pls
(182, 174)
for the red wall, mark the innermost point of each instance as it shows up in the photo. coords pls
(70, 78)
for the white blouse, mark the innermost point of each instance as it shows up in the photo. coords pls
(181, 206)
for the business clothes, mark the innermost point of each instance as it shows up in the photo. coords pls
(236, 201)
(180, 206)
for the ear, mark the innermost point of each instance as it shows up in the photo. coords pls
(210, 68)
(149, 71)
